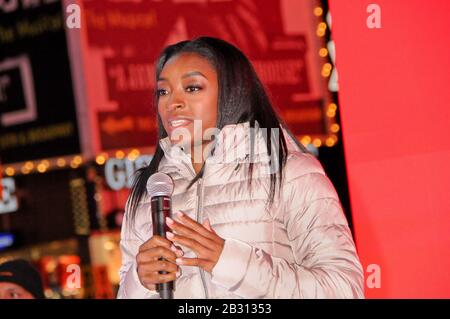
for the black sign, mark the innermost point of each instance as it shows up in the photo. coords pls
(37, 107)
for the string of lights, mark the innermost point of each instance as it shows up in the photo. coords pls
(322, 32)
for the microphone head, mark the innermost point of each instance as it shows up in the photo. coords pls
(159, 184)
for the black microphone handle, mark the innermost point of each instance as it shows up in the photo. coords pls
(162, 208)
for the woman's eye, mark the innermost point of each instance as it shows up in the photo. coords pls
(161, 92)
(193, 88)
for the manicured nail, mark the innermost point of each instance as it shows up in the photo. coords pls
(180, 214)
(169, 221)
(169, 235)
(176, 251)
(179, 260)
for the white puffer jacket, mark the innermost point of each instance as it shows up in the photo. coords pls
(299, 248)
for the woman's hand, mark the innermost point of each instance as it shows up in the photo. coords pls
(202, 239)
(149, 265)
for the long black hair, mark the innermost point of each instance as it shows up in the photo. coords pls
(241, 98)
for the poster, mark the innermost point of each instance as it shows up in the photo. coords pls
(37, 108)
(122, 39)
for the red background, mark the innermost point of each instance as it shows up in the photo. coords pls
(394, 98)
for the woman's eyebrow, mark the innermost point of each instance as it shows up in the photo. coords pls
(193, 73)
(186, 75)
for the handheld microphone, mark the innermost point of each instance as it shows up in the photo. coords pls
(160, 188)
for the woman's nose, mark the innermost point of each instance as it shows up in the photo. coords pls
(175, 106)
(175, 102)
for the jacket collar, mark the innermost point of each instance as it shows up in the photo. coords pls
(233, 144)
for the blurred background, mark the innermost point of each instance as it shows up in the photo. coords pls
(77, 121)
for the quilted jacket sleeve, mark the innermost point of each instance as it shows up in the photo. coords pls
(326, 263)
(130, 286)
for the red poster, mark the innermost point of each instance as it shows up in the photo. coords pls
(122, 39)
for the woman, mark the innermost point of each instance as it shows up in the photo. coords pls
(242, 226)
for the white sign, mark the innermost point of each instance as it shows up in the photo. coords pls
(119, 173)
(27, 112)
(8, 202)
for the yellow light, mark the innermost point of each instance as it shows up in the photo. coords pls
(334, 128)
(77, 160)
(320, 32)
(306, 140)
(317, 142)
(120, 154)
(29, 166)
(318, 11)
(61, 162)
(331, 112)
(327, 66)
(321, 29)
(133, 154)
(24, 170)
(10, 171)
(323, 52)
(326, 69)
(330, 142)
(332, 107)
(325, 73)
(74, 165)
(322, 25)
(100, 160)
(41, 168)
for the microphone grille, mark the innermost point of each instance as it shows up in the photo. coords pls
(159, 184)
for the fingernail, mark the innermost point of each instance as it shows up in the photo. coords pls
(169, 235)
(177, 251)
(179, 260)
(180, 214)
(169, 220)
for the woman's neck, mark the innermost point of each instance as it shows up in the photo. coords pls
(198, 155)
(197, 167)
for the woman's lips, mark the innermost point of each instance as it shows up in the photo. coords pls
(179, 123)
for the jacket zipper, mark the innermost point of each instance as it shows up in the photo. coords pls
(198, 218)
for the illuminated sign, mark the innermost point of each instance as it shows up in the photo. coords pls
(119, 173)
(8, 202)
(6, 240)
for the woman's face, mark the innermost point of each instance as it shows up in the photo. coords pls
(188, 90)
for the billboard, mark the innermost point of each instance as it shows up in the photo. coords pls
(120, 40)
(37, 107)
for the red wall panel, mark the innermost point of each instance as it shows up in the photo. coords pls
(394, 101)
